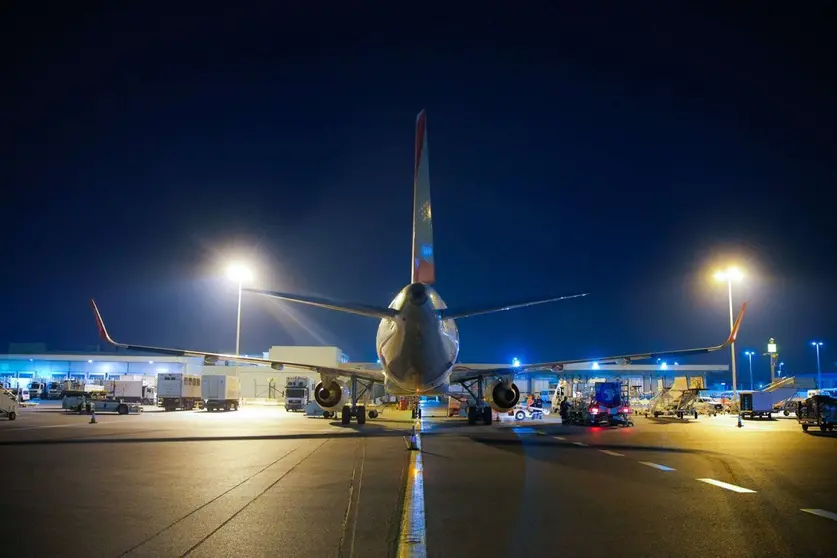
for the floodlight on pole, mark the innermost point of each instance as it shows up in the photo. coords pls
(817, 345)
(729, 275)
(239, 274)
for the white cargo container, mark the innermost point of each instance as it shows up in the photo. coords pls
(220, 392)
(126, 390)
(179, 391)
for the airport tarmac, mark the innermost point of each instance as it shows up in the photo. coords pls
(262, 482)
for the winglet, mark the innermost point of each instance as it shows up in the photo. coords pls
(737, 325)
(103, 332)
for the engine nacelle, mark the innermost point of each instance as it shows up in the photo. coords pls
(501, 397)
(333, 396)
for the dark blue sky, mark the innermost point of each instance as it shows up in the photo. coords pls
(599, 147)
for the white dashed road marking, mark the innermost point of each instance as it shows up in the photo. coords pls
(580, 444)
(559, 437)
(822, 513)
(657, 466)
(728, 486)
(613, 453)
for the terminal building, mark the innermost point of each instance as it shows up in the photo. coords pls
(264, 383)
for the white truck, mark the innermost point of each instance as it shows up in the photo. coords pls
(220, 392)
(179, 391)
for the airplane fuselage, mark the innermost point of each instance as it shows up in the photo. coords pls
(417, 348)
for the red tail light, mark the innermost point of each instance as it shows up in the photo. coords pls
(594, 410)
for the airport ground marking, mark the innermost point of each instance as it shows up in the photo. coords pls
(580, 444)
(412, 542)
(559, 438)
(734, 488)
(657, 466)
(613, 453)
(822, 513)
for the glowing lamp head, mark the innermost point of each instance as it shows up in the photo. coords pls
(515, 363)
(729, 274)
(239, 273)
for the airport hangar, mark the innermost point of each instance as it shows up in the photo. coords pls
(263, 383)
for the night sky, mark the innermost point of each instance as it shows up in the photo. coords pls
(584, 147)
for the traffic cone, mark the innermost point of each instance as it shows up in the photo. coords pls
(740, 424)
(93, 417)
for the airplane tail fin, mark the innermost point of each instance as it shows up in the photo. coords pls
(423, 268)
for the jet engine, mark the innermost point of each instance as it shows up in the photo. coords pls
(502, 397)
(332, 396)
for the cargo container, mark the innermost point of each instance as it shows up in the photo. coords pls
(126, 390)
(220, 392)
(179, 391)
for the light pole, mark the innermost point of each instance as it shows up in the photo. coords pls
(817, 345)
(750, 356)
(728, 275)
(239, 274)
(781, 365)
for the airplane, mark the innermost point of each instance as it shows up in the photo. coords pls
(417, 340)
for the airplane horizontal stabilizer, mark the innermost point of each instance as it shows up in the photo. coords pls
(351, 308)
(456, 313)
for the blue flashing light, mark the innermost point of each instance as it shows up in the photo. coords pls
(663, 365)
(515, 362)
(595, 366)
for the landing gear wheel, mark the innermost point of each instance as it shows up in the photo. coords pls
(487, 416)
(12, 415)
(519, 415)
(361, 415)
(122, 410)
(472, 415)
(326, 414)
(373, 414)
(805, 428)
(696, 413)
(346, 415)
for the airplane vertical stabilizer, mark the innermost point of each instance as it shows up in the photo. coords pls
(424, 270)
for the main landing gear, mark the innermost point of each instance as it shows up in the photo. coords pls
(355, 410)
(479, 412)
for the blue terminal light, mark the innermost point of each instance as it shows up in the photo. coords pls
(663, 365)
(515, 362)
(595, 366)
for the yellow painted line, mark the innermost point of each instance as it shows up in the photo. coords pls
(413, 540)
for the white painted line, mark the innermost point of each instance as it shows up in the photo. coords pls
(657, 466)
(413, 540)
(728, 486)
(822, 513)
(559, 438)
(580, 444)
(616, 454)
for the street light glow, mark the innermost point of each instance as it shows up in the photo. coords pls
(816, 343)
(729, 274)
(239, 273)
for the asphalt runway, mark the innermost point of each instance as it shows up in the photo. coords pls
(262, 482)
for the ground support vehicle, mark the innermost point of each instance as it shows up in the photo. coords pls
(818, 410)
(8, 404)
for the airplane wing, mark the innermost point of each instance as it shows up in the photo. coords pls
(464, 372)
(360, 371)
